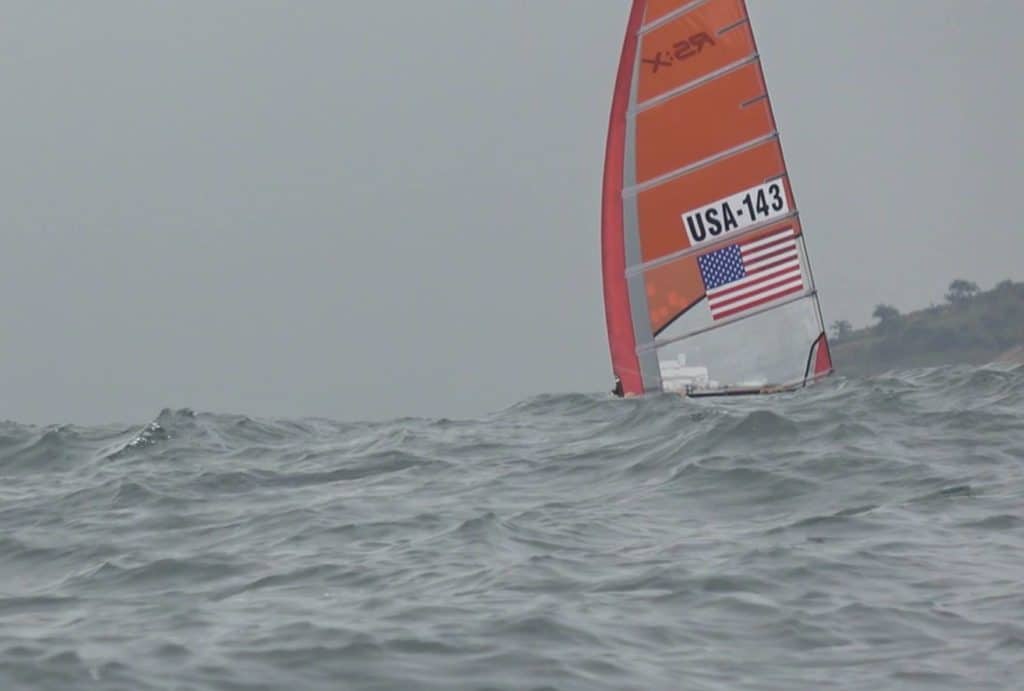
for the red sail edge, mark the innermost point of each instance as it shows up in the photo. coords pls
(823, 361)
(619, 319)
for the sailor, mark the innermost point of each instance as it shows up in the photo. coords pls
(617, 391)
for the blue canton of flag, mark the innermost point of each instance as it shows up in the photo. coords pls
(721, 266)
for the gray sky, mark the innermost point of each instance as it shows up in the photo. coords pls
(364, 210)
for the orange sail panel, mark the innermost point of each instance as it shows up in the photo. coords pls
(708, 287)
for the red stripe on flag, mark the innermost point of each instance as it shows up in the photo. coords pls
(747, 246)
(781, 236)
(769, 255)
(764, 269)
(763, 285)
(758, 303)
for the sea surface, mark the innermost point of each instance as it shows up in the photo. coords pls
(860, 534)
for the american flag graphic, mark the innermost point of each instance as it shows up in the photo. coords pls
(748, 274)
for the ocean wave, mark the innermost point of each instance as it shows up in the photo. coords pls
(859, 533)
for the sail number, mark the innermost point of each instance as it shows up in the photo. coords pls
(741, 210)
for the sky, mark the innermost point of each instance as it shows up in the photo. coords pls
(372, 210)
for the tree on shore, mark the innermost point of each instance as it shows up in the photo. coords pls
(886, 313)
(961, 291)
(841, 329)
(888, 317)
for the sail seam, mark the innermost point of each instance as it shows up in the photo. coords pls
(732, 237)
(687, 169)
(654, 345)
(674, 14)
(729, 27)
(690, 86)
(755, 99)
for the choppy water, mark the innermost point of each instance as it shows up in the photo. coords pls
(863, 534)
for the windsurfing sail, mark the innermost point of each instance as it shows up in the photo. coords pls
(707, 284)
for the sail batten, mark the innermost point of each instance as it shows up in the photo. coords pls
(639, 269)
(703, 246)
(701, 81)
(674, 14)
(686, 170)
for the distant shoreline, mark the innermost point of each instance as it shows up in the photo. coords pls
(973, 327)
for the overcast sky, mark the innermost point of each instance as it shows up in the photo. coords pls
(374, 209)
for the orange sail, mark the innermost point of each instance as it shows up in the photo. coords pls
(707, 284)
